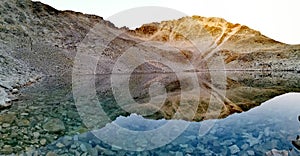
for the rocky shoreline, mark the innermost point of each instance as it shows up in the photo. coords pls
(9, 90)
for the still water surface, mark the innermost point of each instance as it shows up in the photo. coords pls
(271, 125)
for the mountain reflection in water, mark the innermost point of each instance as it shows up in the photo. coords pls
(258, 130)
(273, 125)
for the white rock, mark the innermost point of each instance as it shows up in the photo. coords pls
(36, 134)
(24, 114)
(250, 152)
(15, 91)
(7, 100)
(5, 125)
(234, 149)
(43, 142)
(115, 147)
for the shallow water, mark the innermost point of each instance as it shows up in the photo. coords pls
(271, 125)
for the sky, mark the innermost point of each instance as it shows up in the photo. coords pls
(277, 19)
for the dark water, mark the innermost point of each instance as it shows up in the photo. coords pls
(271, 125)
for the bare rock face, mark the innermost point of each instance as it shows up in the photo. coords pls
(36, 40)
(242, 48)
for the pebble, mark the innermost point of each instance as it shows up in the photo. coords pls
(28, 149)
(36, 134)
(75, 138)
(83, 148)
(234, 149)
(140, 149)
(23, 123)
(15, 91)
(73, 146)
(8, 100)
(115, 147)
(5, 125)
(60, 145)
(67, 140)
(245, 146)
(13, 97)
(32, 80)
(184, 145)
(250, 152)
(43, 142)
(51, 154)
(24, 114)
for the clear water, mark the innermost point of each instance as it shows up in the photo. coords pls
(273, 125)
(270, 125)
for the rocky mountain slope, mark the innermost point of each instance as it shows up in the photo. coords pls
(39, 41)
(241, 47)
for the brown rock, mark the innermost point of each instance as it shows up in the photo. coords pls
(7, 118)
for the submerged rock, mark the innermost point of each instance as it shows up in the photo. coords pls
(7, 118)
(250, 153)
(23, 123)
(43, 142)
(275, 152)
(6, 125)
(54, 126)
(51, 154)
(234, 149)
(60, 145)
(7, 149)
